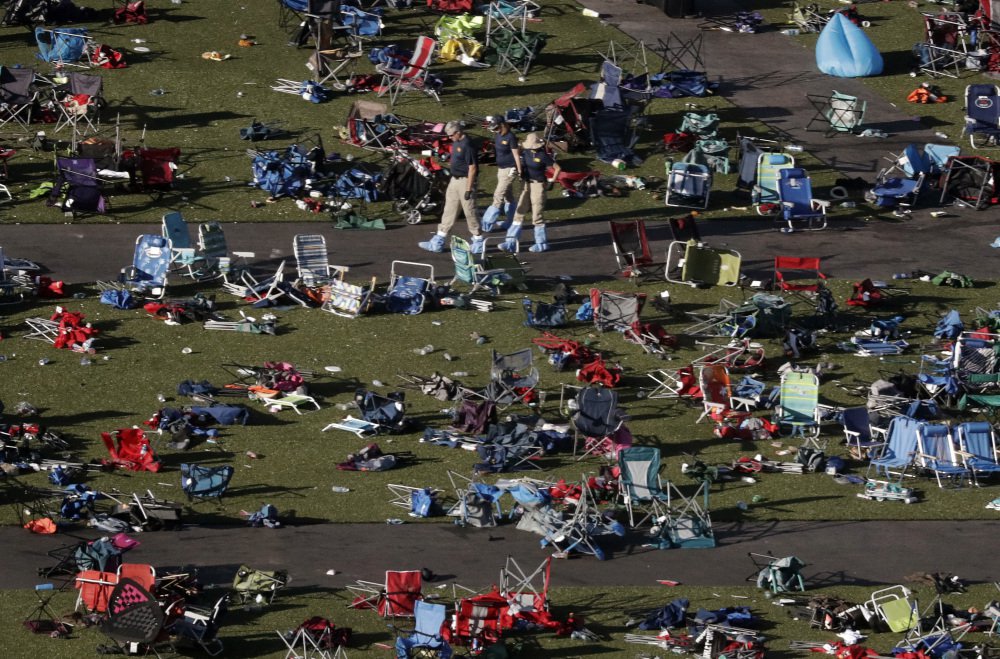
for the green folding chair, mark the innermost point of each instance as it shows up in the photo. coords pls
(798, 405)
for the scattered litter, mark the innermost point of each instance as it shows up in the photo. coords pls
(668, 582)
(332, 369)
(215, 56)
(331, 573)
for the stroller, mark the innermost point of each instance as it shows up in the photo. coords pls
(415, 186)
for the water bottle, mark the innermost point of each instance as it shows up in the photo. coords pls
(748, 479)
(792, 31)
(3, 358)
(43, 361)
(186, 351)
(742, 505)
(941, 135)
(161, 398)
(460, 374)
(393, 521)
(159, 91)
(848, 204)
(448, 358)
(377, 383)
(138, 41)
(84, 361)
(794, 148)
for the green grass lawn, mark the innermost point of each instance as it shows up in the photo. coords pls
(252, 633)
(206, 103)
(296, 462)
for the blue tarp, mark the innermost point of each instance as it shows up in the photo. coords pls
(845, 51)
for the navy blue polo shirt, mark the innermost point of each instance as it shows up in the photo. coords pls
(536, 161)
(505, 145)
(463, 156)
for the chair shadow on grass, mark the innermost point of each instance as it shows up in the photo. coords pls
(837, 578)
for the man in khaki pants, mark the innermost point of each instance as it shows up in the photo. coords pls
(535, 161)
(508, 154)
(461, 191)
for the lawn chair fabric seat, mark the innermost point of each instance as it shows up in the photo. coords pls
(252, 585)
(798, 403)
(797, 203)
(428, 620)
(135, 618)
(839, 113)
(696, 264)
(17, 96)
(689, 185)
(414, 75)
(782, 575)
(640, 486)
(200, 482)
(901, 445)
(979, 449)
(409, 293)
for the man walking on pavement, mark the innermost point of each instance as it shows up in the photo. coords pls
(508, 154)
(535, 160)
(461, 191)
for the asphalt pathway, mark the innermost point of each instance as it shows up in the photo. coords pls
(837, 553)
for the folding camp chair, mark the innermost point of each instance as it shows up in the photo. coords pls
(791, 271)
(798, 406)
(516, 49)
(147, 276)
(581, 530)
(156, 169)
(425, 638)
(797, 203)
(348, 300)
(689, 185)
(839, 113)
(42, 619)
(251, 585)
(414, 75)
(79, 101)
(316, 638)
(750, 149)
(478, 620)
(631, 247)
(134, 621)
(978, 448)
(639, 485)
(13, 287)
(616, 312)
(513, 378)
(247, 286)
(17, 97)
(407, 293)
(982, 115)
(778, 575)
(679, 384)
(765, 189)
(600, 421)
(527, 593)
(695, 264)
(175, 229)
(807, 18)
(681, 54)
(971, 181)
(78, 188)
(67, 46)
(717, 394)
(200, 627)
(130, 449)
(95, 590)
(936, 453)
(685, 228)
(944, 50)
(335, 67)
(397, 597)
(212, 259)
(199, 482)
(312, 260)
(861, 438)
(898, 453)
(470, 268)
(893, 608)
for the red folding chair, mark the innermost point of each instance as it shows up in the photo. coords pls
(396, 598)
(799, 275)
(95, 590)
(412, 76)
(631, 247)
(477, 620)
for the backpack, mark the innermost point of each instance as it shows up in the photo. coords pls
(812, 460)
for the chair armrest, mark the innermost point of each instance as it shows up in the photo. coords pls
(245, 255)
(852, 434)
(185, 252)
(821, 204)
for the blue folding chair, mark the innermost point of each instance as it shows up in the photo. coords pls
(200, 482)
(936, 454)
(982, 115)
(797, 203)
(408, 293)
(147, 275)
(977, 442)
(426, 635)
(689, 185)
(898, 453)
